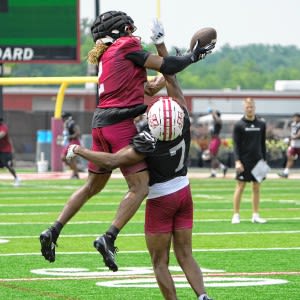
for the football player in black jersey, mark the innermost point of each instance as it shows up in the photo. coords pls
(249, 137)
(169, 207)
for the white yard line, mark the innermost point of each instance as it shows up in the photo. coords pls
(146, 251)
(142, 234)
(142, 222)
(196, 210)
(149, 276)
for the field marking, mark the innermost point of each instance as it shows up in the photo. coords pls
(142, 222)
(195, 210)
(25, 214)
(142, 234)
(146, 251)
(181, 282)
(281, 201)
(145, 276)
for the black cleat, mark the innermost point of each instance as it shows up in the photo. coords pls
(108, 251)
(48, 245)
(212, 176)
(283, 175)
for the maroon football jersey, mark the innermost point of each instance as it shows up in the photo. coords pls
(121, 82)
(5, 145)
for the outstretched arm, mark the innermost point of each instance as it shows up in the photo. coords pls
(125, 157)
(172, 85)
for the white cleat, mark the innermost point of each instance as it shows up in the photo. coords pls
(236, 219)
(257, 219)
(17, 182)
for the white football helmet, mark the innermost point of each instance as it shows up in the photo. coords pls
(165, 119)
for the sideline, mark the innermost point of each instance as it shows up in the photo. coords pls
(193, 173)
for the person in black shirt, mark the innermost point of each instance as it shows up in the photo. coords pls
(215, 143)
(249, 137)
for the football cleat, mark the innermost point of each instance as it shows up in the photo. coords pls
(17, 182)
(48, 245)
(108, 251)
(283, 175)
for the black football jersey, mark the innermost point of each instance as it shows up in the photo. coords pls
(169, 159)
(249, 140)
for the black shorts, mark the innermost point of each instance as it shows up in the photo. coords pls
(246, 175)
(6, 159)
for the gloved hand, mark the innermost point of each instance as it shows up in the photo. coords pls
(201, 52)
(158, 32)
(70, 153)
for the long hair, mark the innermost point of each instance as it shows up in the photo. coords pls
(96, 52)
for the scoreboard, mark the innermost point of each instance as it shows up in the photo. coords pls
(39, 31)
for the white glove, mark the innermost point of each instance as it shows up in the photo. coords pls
(158, 32)
(70, 153)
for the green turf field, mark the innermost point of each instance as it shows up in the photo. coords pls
(240, 262)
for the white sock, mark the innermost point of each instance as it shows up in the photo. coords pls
(222, 166)
(255, 215)
(286, 171)
(202, 297)
(214, 171)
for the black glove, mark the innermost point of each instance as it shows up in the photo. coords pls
(201, 52)
(144, 142)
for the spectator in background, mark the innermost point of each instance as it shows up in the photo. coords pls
(6, 152)
(293, 151)
(249, 137)
(215, 143)
(71, 135)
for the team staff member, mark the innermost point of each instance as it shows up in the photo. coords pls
(294, 149)
(122, 74)
(249, 137)
(6, 152)
(169, 207)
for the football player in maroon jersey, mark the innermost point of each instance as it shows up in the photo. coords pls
(122, 67)
(169, 207)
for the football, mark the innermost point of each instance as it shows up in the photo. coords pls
(206, 36)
